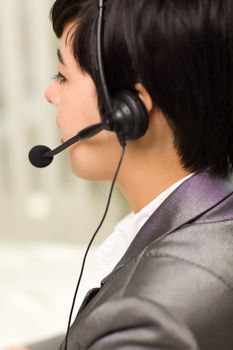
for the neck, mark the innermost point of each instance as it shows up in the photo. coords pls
(151, 165)
(143, 187)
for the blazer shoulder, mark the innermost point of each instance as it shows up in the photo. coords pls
(190, 273)
(204, 245)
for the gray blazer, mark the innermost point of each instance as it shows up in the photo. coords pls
(173, 288)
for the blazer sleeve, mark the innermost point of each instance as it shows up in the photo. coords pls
(134, 324)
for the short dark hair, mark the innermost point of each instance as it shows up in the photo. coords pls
(181, 51)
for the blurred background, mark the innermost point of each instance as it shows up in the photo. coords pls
(47, 216)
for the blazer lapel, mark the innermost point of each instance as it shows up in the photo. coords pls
(187, 203)
(89, 296)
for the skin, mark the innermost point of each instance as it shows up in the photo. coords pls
(151, 160)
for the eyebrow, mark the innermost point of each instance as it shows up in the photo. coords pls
(60, 58)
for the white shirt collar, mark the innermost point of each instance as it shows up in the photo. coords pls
(116, 244)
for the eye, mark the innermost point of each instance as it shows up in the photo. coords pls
(59, 78)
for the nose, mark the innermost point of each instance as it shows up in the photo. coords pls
(52, 93)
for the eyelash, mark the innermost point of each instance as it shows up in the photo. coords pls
(59, 78)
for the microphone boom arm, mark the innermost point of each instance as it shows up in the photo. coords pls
(86, 133)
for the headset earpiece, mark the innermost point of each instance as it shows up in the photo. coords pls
(129, 115)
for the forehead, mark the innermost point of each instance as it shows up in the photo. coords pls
(87, 61)
(65, 51)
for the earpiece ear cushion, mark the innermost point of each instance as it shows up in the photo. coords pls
(135, 115)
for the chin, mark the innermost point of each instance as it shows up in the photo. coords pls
(90, 175)
(89, 172)
(92, 162)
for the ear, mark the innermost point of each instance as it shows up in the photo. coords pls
(144, 96)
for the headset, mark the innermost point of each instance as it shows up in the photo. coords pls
(128, 114)
(125, 114)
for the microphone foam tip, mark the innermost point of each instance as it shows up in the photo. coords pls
(37, 158)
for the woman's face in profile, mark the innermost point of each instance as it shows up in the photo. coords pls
(74, 94)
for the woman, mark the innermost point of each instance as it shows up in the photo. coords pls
(172, 282)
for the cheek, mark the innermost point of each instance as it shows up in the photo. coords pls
(77, 110)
